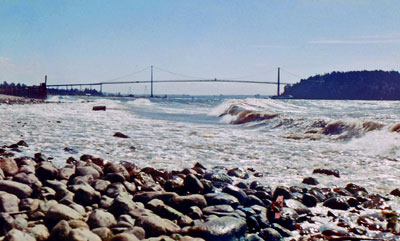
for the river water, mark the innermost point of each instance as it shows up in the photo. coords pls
(283, 139)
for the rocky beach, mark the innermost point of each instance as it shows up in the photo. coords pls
(91, 199)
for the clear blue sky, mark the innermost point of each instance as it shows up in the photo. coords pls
(88, 41)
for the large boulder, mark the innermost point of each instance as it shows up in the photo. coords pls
(100, 218)
(62, 212)
(8, 202)
(9, 166)
(16, 188)
(222, 228)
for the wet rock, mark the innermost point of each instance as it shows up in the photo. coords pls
(310, 181)
(297, 206)
(282, 191)
(62, 212)
(218, 210)
(124, 237)
(253, 200)
(99, 108)
(395, 192)
(192, 184)
(221, 198)
(195, 212)
(40, 232)
(238, 172)
(332, 172)
(100, 218)
(22, 143)
(282, 231)
(17, 235)
(47, 171)
(9, 166)
(115, 177)
(288, 218)
(218, 179)
(120, 135)
(60, 231)
(309, 200)
(339, 203)
(156, 226)
(236, 192)
(8, 202)
(222, 228)
(16, 188)
(82, 234)
(353, 188)
(86, 195)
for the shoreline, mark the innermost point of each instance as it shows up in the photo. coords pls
(89, 199)
(9, 99)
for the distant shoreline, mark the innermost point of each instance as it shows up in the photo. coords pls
(9, 99)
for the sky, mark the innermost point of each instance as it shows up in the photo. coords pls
(76, 41)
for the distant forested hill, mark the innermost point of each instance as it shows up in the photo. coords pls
(354, 85)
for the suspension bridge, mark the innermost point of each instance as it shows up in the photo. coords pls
(151, 81)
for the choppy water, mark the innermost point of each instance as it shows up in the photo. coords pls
(284, 139)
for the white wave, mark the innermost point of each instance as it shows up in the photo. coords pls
(140, 102)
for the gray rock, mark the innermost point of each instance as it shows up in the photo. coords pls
(20, 222)
(6, 223)
(103, 233)
(183, 203)
(192, 184)
(100, 185)
(78, 224)
(337, 203)
(236, 192)
(46, 171)
(16, 188)
(270, 234)
(40, 232)
(82, 234)
(122, 204)
(253, 200)
(115, 189)
(62, 212)
(164, 211)
(223, 228)
(139, 232)
(297, 206)
(282, 191)
(66, 173)
(17, 235)
(8, 202)
(145, 197)
(28, 179)
(86, 171)
(100, 218)
(221, 198)
(238, 172)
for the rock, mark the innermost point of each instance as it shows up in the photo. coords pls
(62, 212)
(115, 177)
(337, 203)
(192, 184)
(60, 231)
(86, 195)
(87, 170)
(219, 210)
(283, 231)
(253, 200)
(78, 224)
(236, 192)
(195, 212)
(99, 107)
(22, 143)
(238, 172)
(122, 204)
(331, 172)
(82, 234)
(297, 206)
(156, 226)
(116, 189)
(145, 197)
(100, 185)
(270, 234)
(8, 202)
(124, 237)
(282, 191)
(288, 218)
(47, 171)
(6, 223)
(16, 188)
(120, 135)
(104, 233)
(40, 232)
(164, 211)
(218, 179)
(221, 198)
(20, 222)
(310, 181)
(17, 235)
(29, 204)
(28, 179)
(353, 188)
(185, 202)
(100, 218)
(139, 232)
(223, 228)
(9, 166)
(66, 172)
(309, 200)
(395, 192)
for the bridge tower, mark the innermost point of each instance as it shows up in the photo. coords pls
(151, 91)
(279, 81)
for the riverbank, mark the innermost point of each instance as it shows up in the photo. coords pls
(92, 199)
(9, 99)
